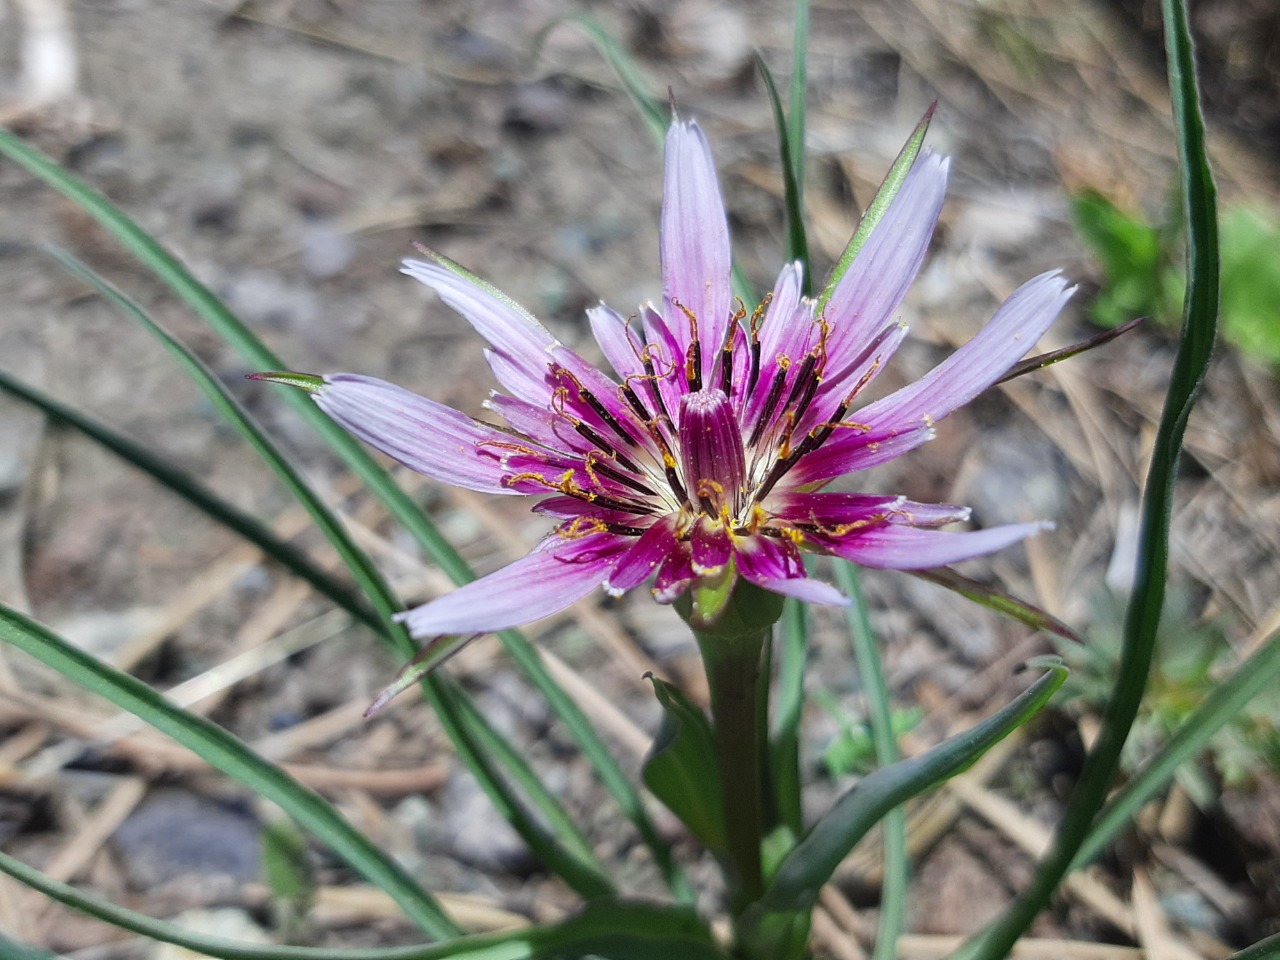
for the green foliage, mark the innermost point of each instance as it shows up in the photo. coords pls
(681, 770)
(853, 749)
(1142, 275)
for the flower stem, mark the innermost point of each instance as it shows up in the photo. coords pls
(733, 673)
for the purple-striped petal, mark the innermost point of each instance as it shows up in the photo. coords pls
(425, 436)
(833, 509)
(896, 547)
(645, 555)
(864, 301)
(1005, 340)
(557, 573)
(903, 420)
(850, 451)
(694, 244)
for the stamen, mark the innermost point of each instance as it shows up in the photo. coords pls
(771, 402)
(585, 430)
(652, 375)
(693, 356)
(617, 476)
(597, 407)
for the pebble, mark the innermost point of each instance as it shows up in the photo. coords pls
(175, 834)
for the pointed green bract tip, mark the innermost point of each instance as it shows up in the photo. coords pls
(303, 381)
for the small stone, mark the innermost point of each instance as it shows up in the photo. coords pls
(175, 834)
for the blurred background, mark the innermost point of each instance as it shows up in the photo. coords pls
(290, 152)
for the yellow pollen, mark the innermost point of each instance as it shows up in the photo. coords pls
(575, 529)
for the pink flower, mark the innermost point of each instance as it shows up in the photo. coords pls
(706, 452)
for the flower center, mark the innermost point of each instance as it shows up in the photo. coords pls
(711, 454)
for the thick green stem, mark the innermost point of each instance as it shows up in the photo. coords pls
(732, 620)
(733, 674)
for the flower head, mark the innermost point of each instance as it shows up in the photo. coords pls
(705, 453)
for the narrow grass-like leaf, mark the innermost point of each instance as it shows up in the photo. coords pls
(893, 889)
(1042, 360)
(784, 767)
(198, 495)
(999, 601)
(811, 864)
(1200, 322)
(361, 567)
(12, 950)
(226, 753)
(468, 728)
(797, 113)
(797, 243)
(875, 211)
(172, 273)
(616, 930)
(1268, 949)
(653, 109)
(1257, 674)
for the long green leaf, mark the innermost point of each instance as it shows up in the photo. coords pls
(893, 888)
(361, 566)
(999, 601)
(879, 205)
(171, 272)
(1200, 322)
(796, 115)
(1268, 949)
(651, 108)
(1256, 675)
(813, 861)
(611, 929)
(797, 243)
(12, 950)
(226, 753)
(198, 495)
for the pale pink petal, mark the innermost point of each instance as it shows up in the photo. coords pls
(617, 340)
(517, 338)
(1005, 340)
(695, 244)
(425, 436)
(873, 288)
(557, 573)
(895, 547)
(832, 509)
(912, 513)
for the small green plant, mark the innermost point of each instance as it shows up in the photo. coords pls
(853, 749)
(1142, 272)
(1193, 654)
